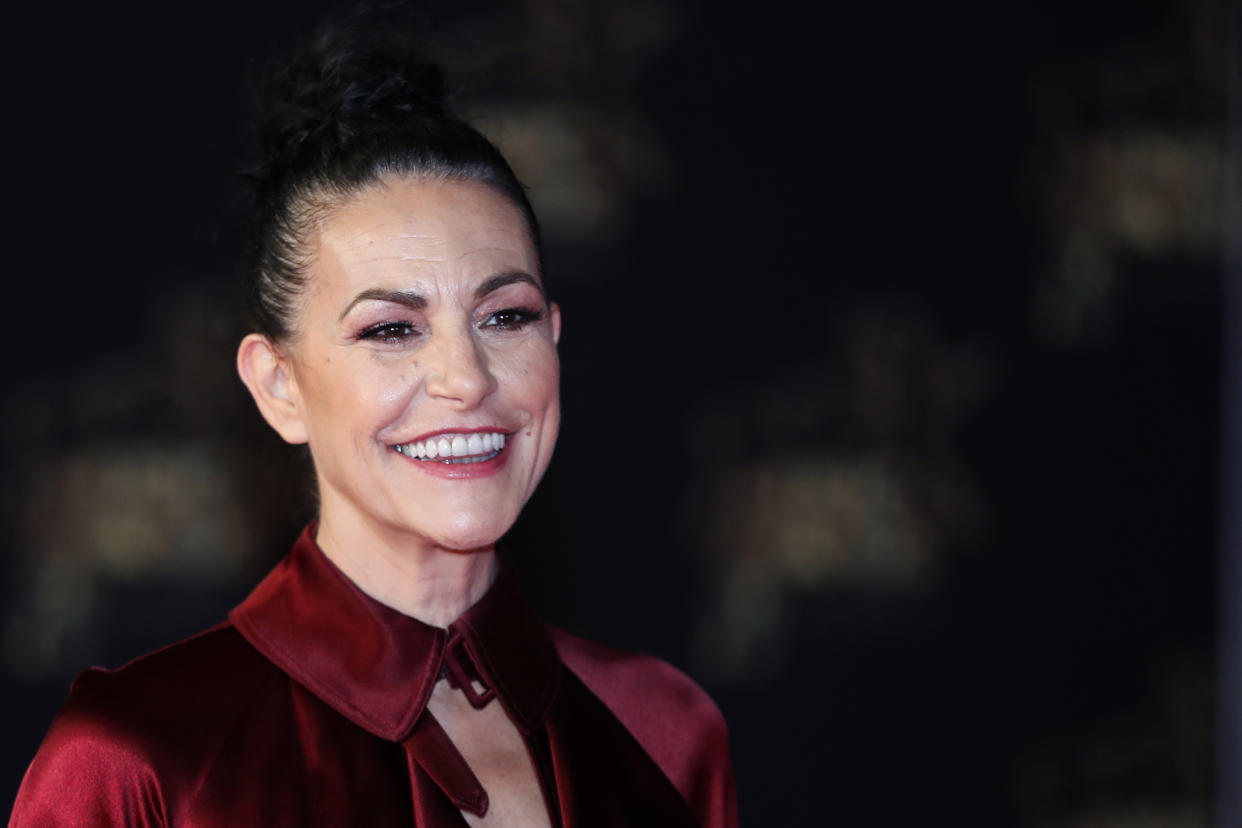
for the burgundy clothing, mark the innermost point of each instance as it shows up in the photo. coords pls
(308, 707)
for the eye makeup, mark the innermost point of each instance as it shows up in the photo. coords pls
(390, 333)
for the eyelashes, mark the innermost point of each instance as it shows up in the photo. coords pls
(397, 332)
(389, 333)
(512, 319)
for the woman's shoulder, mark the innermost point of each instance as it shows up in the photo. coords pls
(176, 685)
(121, 732)
(668, 713)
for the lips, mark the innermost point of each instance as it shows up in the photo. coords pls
(455, 448)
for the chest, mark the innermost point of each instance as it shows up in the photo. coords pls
(294, 761)
(505, 763)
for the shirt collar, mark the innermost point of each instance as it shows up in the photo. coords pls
(376, 666)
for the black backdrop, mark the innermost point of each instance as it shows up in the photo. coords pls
(890, 374)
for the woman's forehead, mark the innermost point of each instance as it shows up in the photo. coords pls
(448, 234)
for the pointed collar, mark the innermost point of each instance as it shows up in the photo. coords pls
(376, 666)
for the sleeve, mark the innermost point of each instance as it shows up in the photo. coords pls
(87, 772)
(675, 721)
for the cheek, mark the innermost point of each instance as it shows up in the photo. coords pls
(531, 376)
(390, 390)
(366, 396)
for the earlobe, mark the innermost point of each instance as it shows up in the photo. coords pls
(268, 376)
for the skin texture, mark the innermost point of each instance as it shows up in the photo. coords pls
(362, 374)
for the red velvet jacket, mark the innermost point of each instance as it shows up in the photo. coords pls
(308, 708)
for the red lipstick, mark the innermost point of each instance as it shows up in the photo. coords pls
(457, 468)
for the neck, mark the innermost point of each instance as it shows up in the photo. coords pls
(421, 580)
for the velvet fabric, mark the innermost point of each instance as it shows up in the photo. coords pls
(308, 707)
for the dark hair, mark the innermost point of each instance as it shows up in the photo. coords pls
(349, 109)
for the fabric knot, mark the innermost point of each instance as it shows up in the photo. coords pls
(460, 670)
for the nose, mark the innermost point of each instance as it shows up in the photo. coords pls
(457, 369)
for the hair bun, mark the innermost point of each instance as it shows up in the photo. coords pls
(346, 84)
(355, 104)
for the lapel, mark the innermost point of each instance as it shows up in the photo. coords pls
(603, 775)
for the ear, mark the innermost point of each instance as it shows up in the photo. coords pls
(556, 323)
(268, 375)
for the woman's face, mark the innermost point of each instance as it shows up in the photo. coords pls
(424, 366)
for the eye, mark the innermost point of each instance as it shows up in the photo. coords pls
(512, 319)
(389, 333)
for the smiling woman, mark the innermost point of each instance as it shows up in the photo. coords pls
(424, 323)
(387, 672)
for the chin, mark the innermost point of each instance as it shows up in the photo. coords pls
(469, 535)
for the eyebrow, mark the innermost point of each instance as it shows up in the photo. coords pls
(408, 298)
(416, 301)
(509, 277)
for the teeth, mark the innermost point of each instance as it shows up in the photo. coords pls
(456, 448)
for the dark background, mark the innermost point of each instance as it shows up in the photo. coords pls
(891, 367)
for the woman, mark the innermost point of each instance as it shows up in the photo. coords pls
(387, 671)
